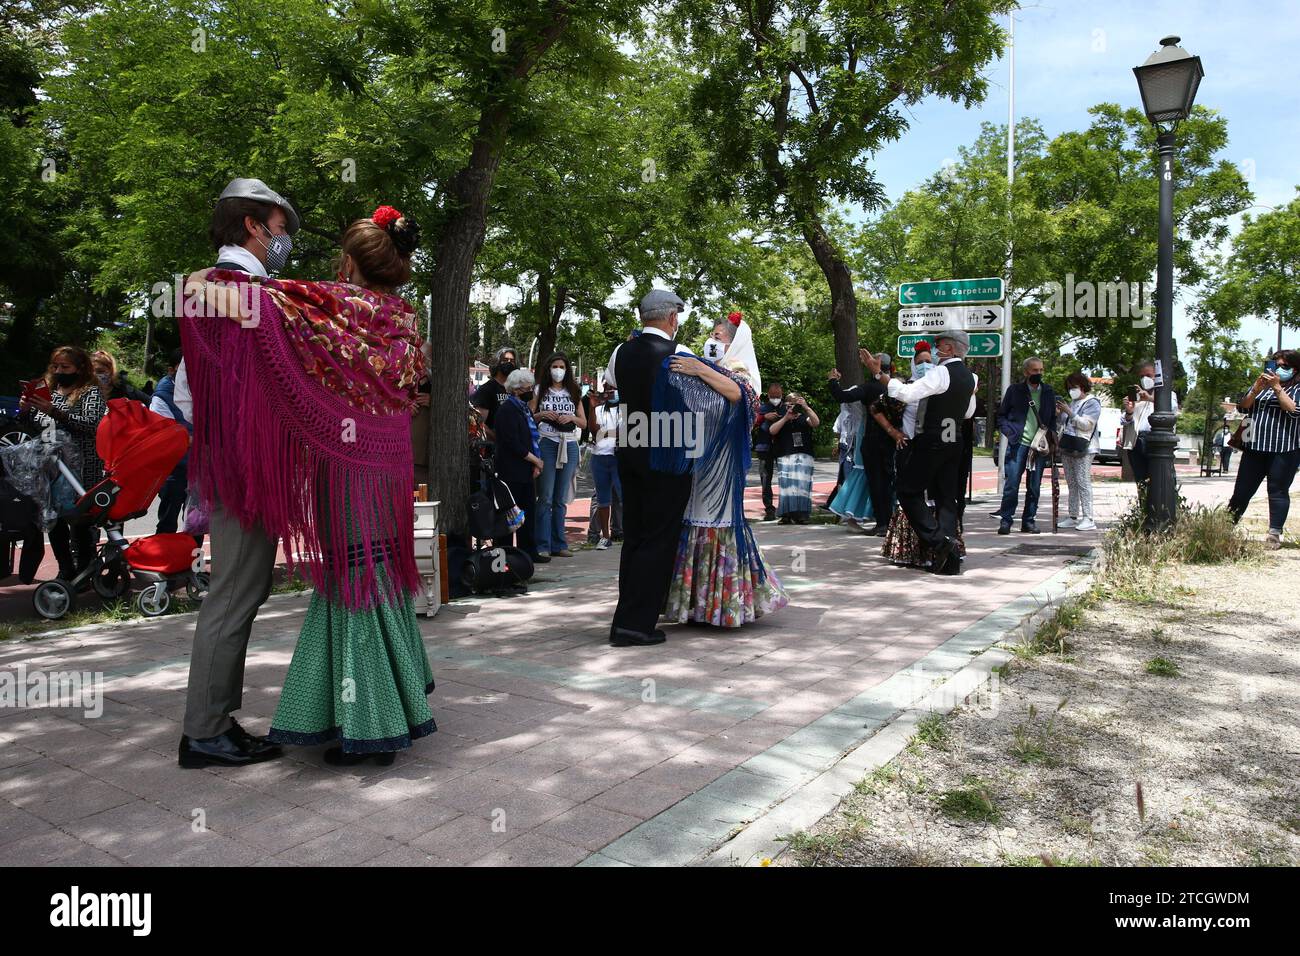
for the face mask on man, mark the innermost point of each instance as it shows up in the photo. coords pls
(1036, 379)
(1147, 383)
(557, 375)
(714, 349)
(1076, 394)
(277, 253)
(505, 368)
(776, 400)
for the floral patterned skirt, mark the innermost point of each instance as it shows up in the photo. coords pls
(902, 546)
(710, 587)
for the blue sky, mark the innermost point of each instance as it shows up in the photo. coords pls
(1070, 56)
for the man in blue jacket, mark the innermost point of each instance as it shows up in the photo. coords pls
(1025, 407)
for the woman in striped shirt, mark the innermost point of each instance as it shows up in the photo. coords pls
(1272, 440)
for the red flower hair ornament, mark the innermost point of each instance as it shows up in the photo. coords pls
(385, 216)
(734, 318)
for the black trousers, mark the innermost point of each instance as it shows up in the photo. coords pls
(73, 545)
(525, 539)
(171, 499)
(653, 506)
(1278, 468)
(878, 463)
(1139, 461)
(766, 469)
(936, 466)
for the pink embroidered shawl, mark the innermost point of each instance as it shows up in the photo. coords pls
(302, 425)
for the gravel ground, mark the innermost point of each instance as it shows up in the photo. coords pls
(1167, 734)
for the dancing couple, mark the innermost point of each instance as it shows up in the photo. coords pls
(687, 551)
(303, 394)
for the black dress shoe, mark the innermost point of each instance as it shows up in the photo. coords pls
(942, 550)
(234, 748)
(952, 566)
(622, 637)
(336, 757)
(880, 530)
(1004, 527)
(253, 744)
(769, 516)
(541, 558)
(1028, 527)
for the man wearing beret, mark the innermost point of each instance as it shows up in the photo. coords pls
(251, 230)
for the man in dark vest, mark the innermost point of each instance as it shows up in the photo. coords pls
(654, 502)
(251, 229)
(945, 398)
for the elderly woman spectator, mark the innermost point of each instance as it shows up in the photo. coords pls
(1079, 440)
(518, 459)
(1272, 442)
(76, 406)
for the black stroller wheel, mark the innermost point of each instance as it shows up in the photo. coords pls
(196, 588)
(53, 600)
(111, 583)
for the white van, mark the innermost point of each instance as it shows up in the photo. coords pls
(1108, 432)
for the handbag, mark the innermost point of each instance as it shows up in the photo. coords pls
(1074, 444)
(1237, 440)
(1039, 444)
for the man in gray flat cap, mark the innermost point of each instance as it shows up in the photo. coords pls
(251, 230)
(654, 502)
(932, 460)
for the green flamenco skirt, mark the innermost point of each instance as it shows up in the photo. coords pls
(361, 677)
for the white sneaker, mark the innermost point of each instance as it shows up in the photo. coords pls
(603, 544)
(1067, 523)
(1087, 524)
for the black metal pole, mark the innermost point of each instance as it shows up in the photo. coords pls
(1162, 439)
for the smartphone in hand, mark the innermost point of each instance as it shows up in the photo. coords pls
(37, 388)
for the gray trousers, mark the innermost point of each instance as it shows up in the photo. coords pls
(1078, 476)
(242, 565)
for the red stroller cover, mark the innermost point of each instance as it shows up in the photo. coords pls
(164, 553)
(140, 449)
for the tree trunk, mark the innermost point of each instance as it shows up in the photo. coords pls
(549, 329)
(844, 301)
(455, 252)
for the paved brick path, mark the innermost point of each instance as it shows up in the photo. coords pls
(552, 747)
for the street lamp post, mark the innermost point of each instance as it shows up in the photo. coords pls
(1168, 81)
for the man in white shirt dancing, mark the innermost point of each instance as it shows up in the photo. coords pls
(945, 397)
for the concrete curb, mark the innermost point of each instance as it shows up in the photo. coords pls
(762, 839)
(271, 603)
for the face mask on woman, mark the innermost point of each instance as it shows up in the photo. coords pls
(103, 377)
(1284, 374)
(920, 368)
(1076, 394)
(64, 379)
(714, 349)
(557, 375)
(1147, 383)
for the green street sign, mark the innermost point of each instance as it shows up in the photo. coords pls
(982, 344)
(952, 292)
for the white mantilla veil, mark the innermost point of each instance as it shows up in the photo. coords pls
(741, 350)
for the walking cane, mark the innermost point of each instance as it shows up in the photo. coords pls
(1056, 484)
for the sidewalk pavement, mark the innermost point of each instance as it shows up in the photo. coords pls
(553, 748)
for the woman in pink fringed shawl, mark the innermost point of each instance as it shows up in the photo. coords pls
(303, 393)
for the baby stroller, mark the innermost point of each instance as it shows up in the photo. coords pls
(139, 449)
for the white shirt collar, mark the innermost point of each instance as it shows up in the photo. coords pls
(651, 330)
(955, 358)
(249, 262)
